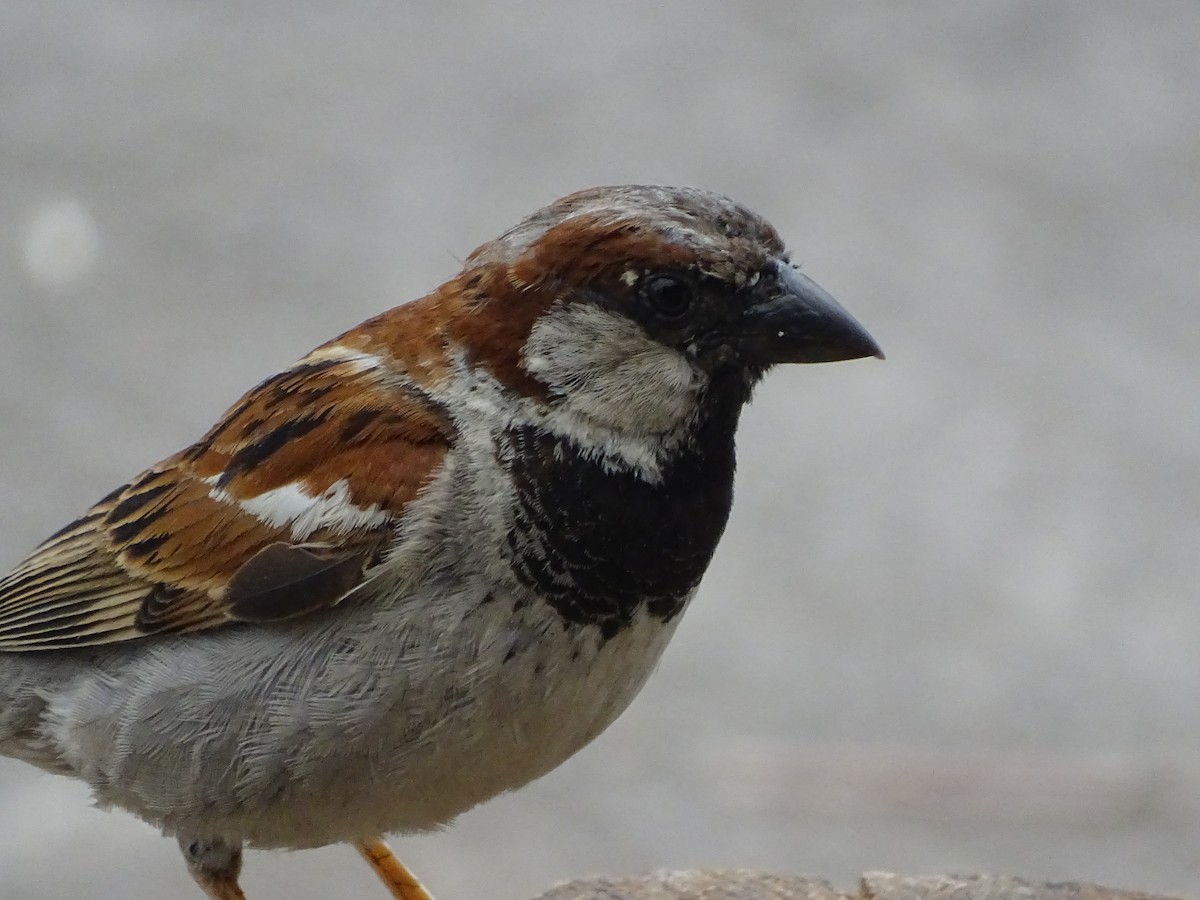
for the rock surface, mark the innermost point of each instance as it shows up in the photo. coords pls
(745, 884)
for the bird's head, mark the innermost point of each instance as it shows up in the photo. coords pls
(648, 297)
(632, 309)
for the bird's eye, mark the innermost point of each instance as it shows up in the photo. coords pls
(668, 296)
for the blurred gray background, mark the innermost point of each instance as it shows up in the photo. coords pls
(953, 624)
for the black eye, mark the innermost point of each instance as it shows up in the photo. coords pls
(668, 296)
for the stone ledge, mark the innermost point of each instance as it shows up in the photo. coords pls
(752, 885)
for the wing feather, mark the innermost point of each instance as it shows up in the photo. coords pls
(281, 509)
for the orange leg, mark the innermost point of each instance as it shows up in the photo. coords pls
(215, 866)
(391, 871)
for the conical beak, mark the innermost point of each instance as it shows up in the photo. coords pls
(801, 323)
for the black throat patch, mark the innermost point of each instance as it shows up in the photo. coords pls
(598, 545)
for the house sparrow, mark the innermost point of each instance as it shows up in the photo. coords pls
(429, 561)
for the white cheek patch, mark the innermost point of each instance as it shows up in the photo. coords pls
(289, 506)
(609, 371)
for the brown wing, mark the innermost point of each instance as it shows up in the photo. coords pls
(280, 510)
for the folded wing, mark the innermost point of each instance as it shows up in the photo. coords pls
(282, 509)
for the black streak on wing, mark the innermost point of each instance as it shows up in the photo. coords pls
(145, 549)
(253, 455)
(357, 422)
(81, 523)
(132, 503)
(279, 387)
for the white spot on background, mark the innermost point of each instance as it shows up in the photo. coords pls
(60, 243)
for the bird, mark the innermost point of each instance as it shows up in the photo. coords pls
(429, 561)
